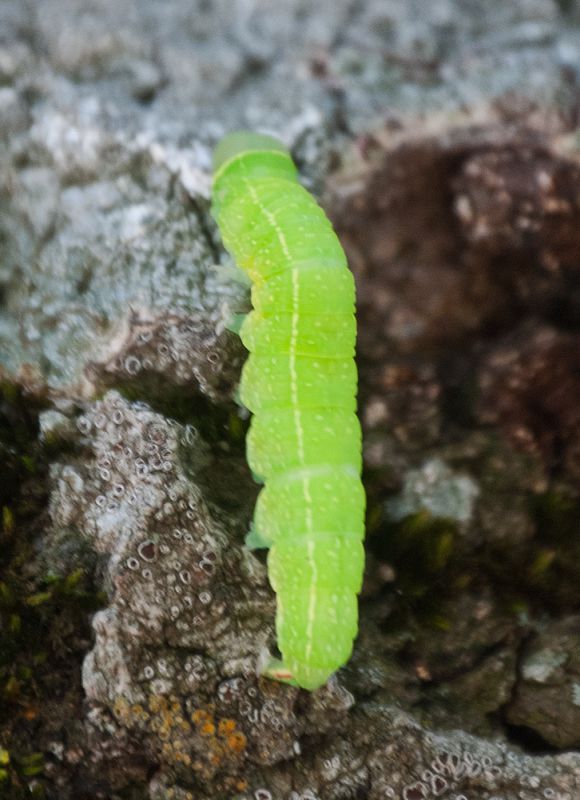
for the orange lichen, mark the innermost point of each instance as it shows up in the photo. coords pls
(208, 729)
(226, 726)
(237, 742)
(219, 743)
(199, 716)
(222, 736)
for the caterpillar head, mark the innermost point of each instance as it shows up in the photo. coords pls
(251, 155)
(234, 144)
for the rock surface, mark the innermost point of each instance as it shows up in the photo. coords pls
(442, 137)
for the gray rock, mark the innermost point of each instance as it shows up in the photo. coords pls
(449, 128)
(436, 489)
(547, 694)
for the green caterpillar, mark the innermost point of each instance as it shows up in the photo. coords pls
(300, 383)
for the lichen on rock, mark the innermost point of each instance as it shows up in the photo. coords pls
(176, 651)
(442, 140)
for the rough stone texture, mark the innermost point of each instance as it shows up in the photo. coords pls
(547, 699)
(413, 765)
(435, 488)
(528, 385)
(442, 137)
(172, 661)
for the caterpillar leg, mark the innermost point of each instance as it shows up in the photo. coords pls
(234, 323)
(257, 541)
(257, 478)
(243, 411)
(232, 273)
(306, 678)
(276, 670)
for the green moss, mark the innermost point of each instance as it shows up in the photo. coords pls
(420, 544)
(542, 572)
(554, 565)
(43, 617)
(421, 548)
(20, 779)
(558, 516)
(30, 617)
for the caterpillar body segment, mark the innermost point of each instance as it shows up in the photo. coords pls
(300, 383)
